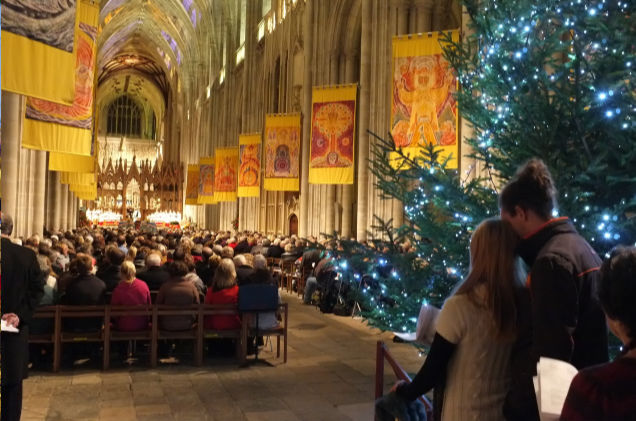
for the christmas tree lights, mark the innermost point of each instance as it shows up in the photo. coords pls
(549, 79)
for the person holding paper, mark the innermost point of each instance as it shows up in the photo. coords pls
(22, 288)
(608, 392)
(567, 320)
(476, 328)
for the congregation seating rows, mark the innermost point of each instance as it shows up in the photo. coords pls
(198, 334)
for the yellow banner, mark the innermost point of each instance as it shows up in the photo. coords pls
(333, 116)
(68, 128)
(282, 152)
(192, 185)
(38, 49)
(206, 181)
(84, 192)
(85, 179)
(71, 163)
(225, 174)
(423, 109)
(249, 174)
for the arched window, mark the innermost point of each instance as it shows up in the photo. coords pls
(124, 117)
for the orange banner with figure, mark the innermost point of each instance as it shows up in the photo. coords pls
(333, 116)
(423, 109)
(206, 181)
(62, 128)
(249, 178)
(192, 185)
(225, 174)
(282, 152)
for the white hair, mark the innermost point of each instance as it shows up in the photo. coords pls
(260, 262)
(153, 259)
(239, 260)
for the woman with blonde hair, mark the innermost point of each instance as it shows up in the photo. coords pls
(224, 291)
(130, 291)
(475, 331)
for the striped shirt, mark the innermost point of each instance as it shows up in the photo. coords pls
(603, 392)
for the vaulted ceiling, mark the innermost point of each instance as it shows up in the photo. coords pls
(167, 46)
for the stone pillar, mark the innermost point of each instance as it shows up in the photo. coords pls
(424, 15)
(55, 199)
(363, 122)
(330, 222)
(38, 202)
(70, 210)
(308, 46)
(64, 207)
(347, 189)
(11, 139)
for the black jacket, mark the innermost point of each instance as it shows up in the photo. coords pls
(22, 288)
(567, 321)
(273, 251)
(242, 248)
(84, 290)
(111, 276)
(154, 277)
(243, 274)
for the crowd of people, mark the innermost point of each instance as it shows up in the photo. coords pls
(489, 335)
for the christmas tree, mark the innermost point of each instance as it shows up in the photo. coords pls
(549, 79)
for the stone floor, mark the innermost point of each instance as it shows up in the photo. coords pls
(329, 376)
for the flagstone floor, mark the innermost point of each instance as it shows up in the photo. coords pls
(329, 376)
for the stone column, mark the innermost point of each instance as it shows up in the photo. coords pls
(64, 207)
(424, 15)
(11, 139)
(347, 189)
(70, 210)
(330, 222)
(308, 47)
(55, 200)
(363, 122)
(38, 203)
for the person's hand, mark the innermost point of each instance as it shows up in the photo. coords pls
(396, 385)
(12, 319)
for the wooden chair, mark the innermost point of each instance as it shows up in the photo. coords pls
(189, 334)
(112, 335)
(287, 274)
(258, 298)
(51, 313)
(72, 336)
(205, 333)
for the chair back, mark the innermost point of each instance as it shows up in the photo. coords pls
(258, 297)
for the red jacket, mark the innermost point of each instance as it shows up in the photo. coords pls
(224, 296)
(131, 294)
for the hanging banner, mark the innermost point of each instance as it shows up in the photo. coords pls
(68, 128)
(282, 152)
(192, 185)
(333, 115)
(85, 179)
(423, 109)
(249, 178)
(206, 181)
(225, 174)
(71, 163)
(38, 48)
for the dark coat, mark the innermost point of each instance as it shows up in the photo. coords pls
(243, 273)
(154, 277)
(261, 276)
(242, 248)
(204, 272)
(22, 288)
(177, 292)
(567, 321)
(111, 276)
(84, 290)
(274, 251)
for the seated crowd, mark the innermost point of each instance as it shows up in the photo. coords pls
(94, 267)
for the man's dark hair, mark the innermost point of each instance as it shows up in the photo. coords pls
(617, 288)
(115, 256)
(178, 269)
(532, 188)
(7, 224)
(121, 240)
(82, 264)
(179, 254)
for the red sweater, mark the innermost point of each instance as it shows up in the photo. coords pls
(131, 294)
(603, 392)
(224, 296)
